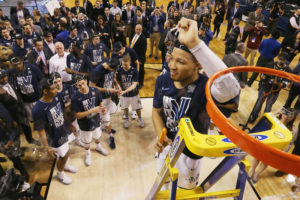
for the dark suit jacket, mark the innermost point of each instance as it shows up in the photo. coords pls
(89, 9)
(161, 23)
(144, 22)
(81, 10)
(63, 13)
(47, 51)
(238, 14)
(33, 55)
(252, 19)
(97, 12)
(182, 4)
(140, 47)
(14, 17)
(172, 3)
(125, 18)
(111, 19)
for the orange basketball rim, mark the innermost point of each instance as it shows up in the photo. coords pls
(278, 159)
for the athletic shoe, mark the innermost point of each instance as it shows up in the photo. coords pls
(101, 150)
(279, 173)
(70, 168)
(133, 114)
(79, 143)
(88, 159)
(295, 188)
(124, 116)
(112, 144)
(141, 122)
(25, 186)
(113, 131)
(126, 123)
(64, 178)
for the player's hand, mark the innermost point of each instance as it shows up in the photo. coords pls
(160, 147)
(38, 59)
(102, 110)
(51, 152)
(123, 92)
(94, 63)
(188, 33)
(69, 71)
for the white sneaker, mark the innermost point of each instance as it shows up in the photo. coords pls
(62, 177)
(88, 160)
(101, 150)
(25, 186)
(70, 168)
(141, 122)
(124, 116)
(79, 143)
(133, 114)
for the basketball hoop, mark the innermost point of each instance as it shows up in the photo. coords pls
(278, 159)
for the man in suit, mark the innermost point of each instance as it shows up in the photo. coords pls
(173, 3)
(237, 59)
(139, 44)
(232, 38)
(185, 4)
(18, 12)
(63, 9)
(235, 13)
(157, 21)
(48, 44)
(39, 57)
(252, 19)
(88, 8)
(139, 19)
(77, 8)
(108, 18)
(127, 17)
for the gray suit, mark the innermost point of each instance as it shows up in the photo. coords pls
(252, 18)
(236, 59)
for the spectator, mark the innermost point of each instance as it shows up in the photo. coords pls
(6, 39)
(294, 25)
(72, 38)
(253, 17)
(108, 17)
(234, 13)
(219, 18)
(275, 12)
(139, 44)
(77, 8)
(173, 3)
(294, 92)
(115, 9)
(237, 59)
(291, 45)
(97, 10)
(48, 43)
(103, 30)
(256, 34)
(269, 87)
(64, 33)
(18, 12)
(185, 4)
(30, 35)
(21, 48)
(232, 38)
(84, 26)
(118, 29)
(88, 8)
(127, 17)
(156, 30)
(268, 49)
(58, 63)
(63, 9)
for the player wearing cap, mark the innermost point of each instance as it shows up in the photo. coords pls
(181, 92)
(21, 47)
(127, 77)
(77, 62)
(49, 121)
(95, 51)
(25, 79)
(87, 104)
(103, 78)
(72, 38)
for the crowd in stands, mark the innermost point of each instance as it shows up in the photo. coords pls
(95, 53)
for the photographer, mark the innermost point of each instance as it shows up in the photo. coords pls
(275, 13)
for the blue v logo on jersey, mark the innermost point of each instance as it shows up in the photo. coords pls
(57, 115)
(175, 111)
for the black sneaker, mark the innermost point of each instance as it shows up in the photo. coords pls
(113, 131)
(279, 173)
(112, 144)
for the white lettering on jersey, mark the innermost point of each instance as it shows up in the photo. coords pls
(57, 115)
(25, 85)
